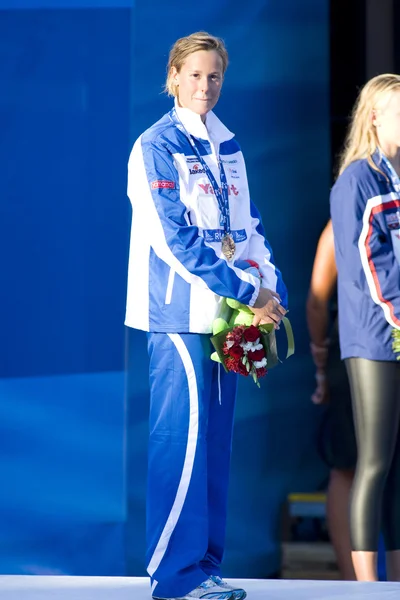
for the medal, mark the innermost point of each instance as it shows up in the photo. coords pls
(228, 246)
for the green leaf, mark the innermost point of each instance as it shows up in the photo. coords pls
(215, 356)
(266, 327)
(290, 337)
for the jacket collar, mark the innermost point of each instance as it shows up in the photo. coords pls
(213, 130)
(377, 159)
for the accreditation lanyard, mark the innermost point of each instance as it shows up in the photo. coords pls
(221, 193)
(391, 172)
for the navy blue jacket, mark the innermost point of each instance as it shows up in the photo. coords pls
(365, 210)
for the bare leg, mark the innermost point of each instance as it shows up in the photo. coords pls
(338, 500)
(365, 565)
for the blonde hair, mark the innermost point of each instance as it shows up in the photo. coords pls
(200, 40)
(362, 140)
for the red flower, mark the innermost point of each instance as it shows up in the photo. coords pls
(261, 372)
(237, 333)
(236, 365)
(242, 369)
(230, 364)
(251, 334)
(256, 354)
(236, 351)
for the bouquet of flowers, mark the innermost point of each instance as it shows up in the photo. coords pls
(249, 350)
(396, 342)
(240, 346)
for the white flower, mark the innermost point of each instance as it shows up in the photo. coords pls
(260, 363)
(229, 344)
(247, 346)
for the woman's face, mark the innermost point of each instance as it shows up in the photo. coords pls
(387, 121)
(199, 81)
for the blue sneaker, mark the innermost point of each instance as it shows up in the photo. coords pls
(237, 593)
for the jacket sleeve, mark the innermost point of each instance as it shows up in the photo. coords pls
(261, 252)
(155, 193)
(364, 248)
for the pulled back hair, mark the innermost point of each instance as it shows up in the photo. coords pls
(362, 140)
(185, 46)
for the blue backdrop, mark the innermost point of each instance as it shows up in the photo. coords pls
(64, 236)
(78, 86)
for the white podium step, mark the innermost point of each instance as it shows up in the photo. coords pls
(26, 587)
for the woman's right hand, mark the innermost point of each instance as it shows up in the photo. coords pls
(267, 308)
(320, 395)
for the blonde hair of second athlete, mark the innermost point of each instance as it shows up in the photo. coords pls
(200, 40)
(361, 140)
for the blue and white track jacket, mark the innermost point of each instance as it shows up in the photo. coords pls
(177, 273)
(365, 210)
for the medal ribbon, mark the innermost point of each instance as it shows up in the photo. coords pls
(221, 193)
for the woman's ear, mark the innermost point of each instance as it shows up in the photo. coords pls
(174, 75)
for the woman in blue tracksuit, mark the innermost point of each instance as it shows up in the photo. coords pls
(365, 209)
(193, 225)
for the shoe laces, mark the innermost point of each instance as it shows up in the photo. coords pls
(218, 580)
(208, 583)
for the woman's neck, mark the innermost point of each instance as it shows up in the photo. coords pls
(202, 117)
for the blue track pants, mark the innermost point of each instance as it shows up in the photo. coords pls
(191, 420)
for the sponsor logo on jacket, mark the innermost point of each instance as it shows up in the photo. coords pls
(393, 220)
(162, 183)
(208, 189)
(196, 170)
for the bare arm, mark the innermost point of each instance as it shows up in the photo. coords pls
(323, 281)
